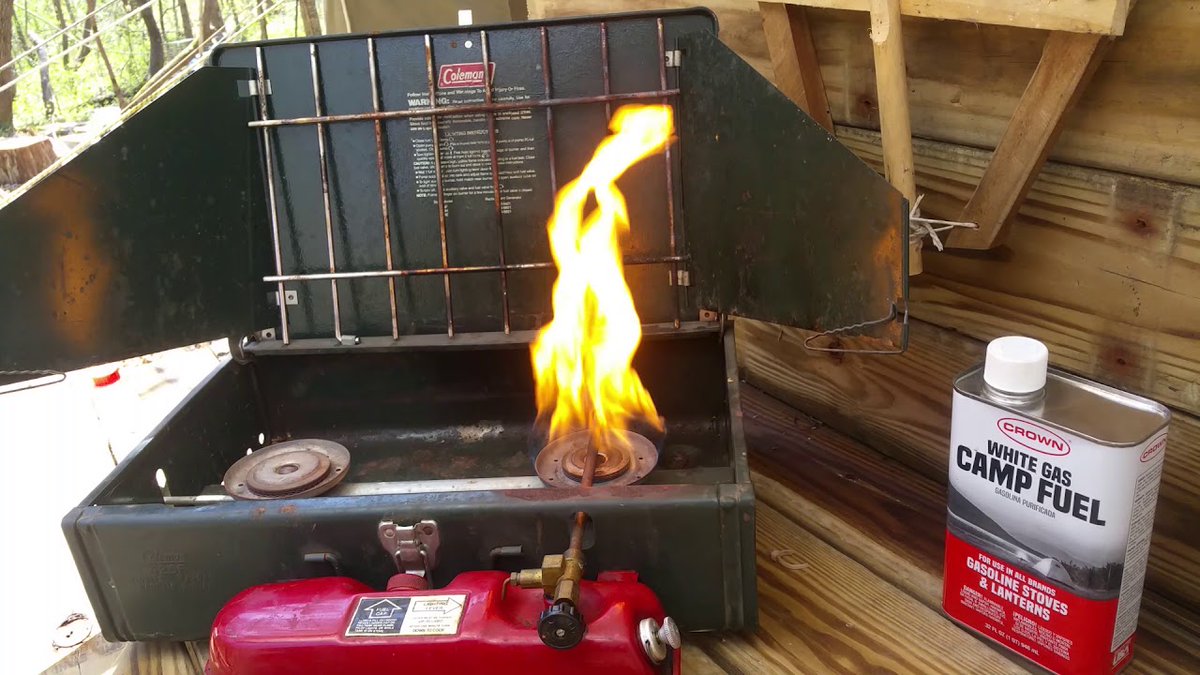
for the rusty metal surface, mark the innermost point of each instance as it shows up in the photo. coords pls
(784, 223)
(304, 467)
(563, 462)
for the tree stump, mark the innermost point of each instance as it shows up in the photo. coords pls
(23, 157)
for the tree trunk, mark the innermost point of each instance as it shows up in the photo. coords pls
(62, 25)
(232, 8)
(185, 18)
(211, 20)
(24, 157)
(312, 20)
(153, 34)
(44, 74)
(6, 75)
(89, 27)
(262, 21)
(112, 76)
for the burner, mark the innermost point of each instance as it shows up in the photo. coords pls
(627, 459)
(293, 469)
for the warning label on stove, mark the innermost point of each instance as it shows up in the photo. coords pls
(408, 616)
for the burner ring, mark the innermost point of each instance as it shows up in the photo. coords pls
(629, 458)
(610, 463)
(289, 470)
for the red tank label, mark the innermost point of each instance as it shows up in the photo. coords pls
(1060, 631)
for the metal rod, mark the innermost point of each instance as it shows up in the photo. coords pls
(383, 187)
(585, 482)
(465, 108)
(662, 82)
(270, 165)
(604, 68)
(474, 269)
(549, 113)
(333, 287)
(437, 174)
(495, 157)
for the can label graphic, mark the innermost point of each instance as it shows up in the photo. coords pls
(1048, 529)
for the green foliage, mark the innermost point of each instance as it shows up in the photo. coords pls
(80, 87)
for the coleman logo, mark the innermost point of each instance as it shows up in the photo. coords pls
(1034, 437)
(463, 75)
(1156, 446)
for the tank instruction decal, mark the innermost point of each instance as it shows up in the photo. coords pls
(409, 616)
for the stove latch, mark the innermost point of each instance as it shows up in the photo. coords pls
(414, 548)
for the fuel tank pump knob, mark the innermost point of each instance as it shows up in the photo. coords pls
(560, 626)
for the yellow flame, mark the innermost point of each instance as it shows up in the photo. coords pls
(582, 359)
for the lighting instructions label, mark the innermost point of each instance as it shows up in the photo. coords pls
(406, 616)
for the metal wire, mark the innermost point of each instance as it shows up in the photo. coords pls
(494, 154)
(269, 161)
(895, 311)
(437, 173)
(662, 81)
(385, 212)
(38, 379)
(318, 101)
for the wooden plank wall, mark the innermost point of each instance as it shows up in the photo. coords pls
(1103, 261)
(1137, 116)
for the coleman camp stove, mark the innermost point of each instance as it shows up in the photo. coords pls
(365, 217)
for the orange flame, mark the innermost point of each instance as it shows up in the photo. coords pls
(582, 358)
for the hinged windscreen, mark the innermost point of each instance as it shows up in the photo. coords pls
(392, 216)
(144, 241)
(784, 223)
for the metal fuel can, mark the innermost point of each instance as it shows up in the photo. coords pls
(1053, 485)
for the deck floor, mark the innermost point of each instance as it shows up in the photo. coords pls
(849, 574)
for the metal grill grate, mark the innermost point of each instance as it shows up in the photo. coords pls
(436, 114)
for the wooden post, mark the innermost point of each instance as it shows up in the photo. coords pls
(891, 82)
(794, 59)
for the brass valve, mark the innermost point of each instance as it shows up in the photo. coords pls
(558, 577)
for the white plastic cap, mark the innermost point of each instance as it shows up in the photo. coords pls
(1016, 365)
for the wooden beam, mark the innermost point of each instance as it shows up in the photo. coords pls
(891, 84)
(1077, 16)
(797, 71)
(1068, 62)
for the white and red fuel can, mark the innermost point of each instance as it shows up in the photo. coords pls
(1053, 485)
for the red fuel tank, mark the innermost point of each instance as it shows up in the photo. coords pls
(473, 625)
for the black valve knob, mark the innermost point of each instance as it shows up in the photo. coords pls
(560, 626)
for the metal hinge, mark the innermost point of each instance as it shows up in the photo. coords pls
(291, 297)
(250, 88)
(682, 278)
(414, 548)
(674, 58)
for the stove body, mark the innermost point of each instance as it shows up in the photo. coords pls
(389, 274)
